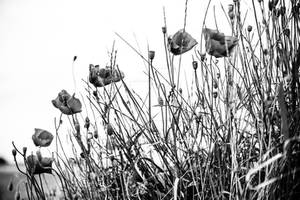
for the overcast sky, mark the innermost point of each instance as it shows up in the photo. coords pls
(39, 38)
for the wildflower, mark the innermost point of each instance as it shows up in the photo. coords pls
(42, 137)
(36, 166)
(101, 77)
(181, 42)
(217, 44)
(66, 103)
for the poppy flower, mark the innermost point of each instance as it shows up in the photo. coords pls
(36, 166)
(217, 44)
(181, 42)
(42, 137)
(100, 77)
(66, 103)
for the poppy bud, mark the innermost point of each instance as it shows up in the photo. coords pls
(164, 30)
(151, 55)
(218, 75)
(87, 123)
(160, 101)
(249, 28)
(109, 129)
(195, 65)
(231, 15)
(24, 150)
(14, 152)
(230, 7)
(10, 186)
(215, 94)
(17, 196)
(77, 128)
(39, 155)
(96, 134)
(215, 84)
(95, 94)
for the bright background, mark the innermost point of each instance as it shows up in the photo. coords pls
(39, 38)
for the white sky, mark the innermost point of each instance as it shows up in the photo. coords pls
(39, 38)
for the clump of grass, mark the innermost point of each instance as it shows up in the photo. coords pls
(232, 134)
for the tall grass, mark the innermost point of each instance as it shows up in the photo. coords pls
(233, 133)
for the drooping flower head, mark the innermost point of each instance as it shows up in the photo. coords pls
(66, 103)
(42, 137)
(100, 77)
(36, 166)
(217, 44)
(181, 42)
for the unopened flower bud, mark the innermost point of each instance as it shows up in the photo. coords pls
(39, 155)
(202, 56)
(24, 150)
(249, 28)
(231, 15)
(96, 134)
(14, 152)
(109, 130)
(87, 123)
(164, 30)
(10, 186)
(215, 94)
(195, 65)
(77, 127)
(160, 101)
(151, 55)
(230, 7)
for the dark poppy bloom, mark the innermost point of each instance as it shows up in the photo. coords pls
(36, 166)
(100, 77)
(42, 138)
(217, 44)
(181, 42)
(66, 103)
